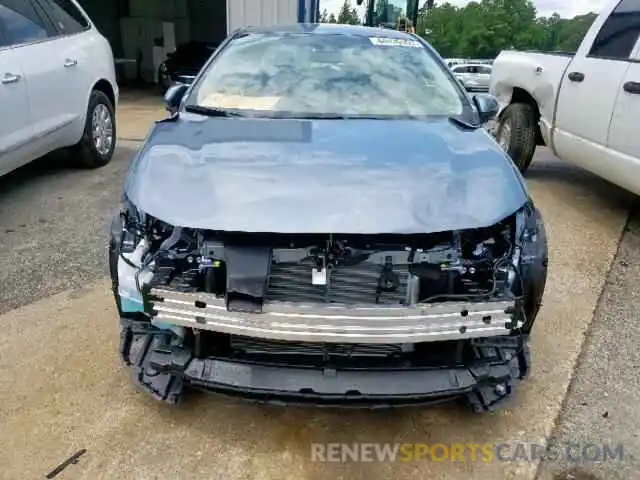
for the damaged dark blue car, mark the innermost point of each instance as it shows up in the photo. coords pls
(324, 220)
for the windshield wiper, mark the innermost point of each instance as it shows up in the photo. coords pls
(466, 125)
(212, 111)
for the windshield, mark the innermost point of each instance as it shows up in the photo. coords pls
(306, 75)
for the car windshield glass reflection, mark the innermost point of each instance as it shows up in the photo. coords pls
(329, 75)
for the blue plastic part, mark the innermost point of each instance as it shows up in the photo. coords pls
(130, 306)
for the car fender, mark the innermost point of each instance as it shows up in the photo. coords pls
(100, 74)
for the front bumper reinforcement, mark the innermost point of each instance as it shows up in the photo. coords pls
(433, 322)
(163, 370)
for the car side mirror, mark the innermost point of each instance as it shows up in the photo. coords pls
(174, 96)
(487, 106)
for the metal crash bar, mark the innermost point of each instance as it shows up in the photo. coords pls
(337, 323)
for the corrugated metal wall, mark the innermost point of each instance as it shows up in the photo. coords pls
(241, 13)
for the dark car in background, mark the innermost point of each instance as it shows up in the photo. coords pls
(323, 219)
(183, 64)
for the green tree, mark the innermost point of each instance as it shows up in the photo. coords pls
(348, 15)
(332, 18)
(355, 17)
(324, 16)
(483, 28)
(571, 32)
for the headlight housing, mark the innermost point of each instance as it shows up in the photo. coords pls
(534, 260)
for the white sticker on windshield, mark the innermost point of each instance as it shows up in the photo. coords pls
(394, 42)
(220, 100)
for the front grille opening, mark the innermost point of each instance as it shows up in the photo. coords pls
(358, 284)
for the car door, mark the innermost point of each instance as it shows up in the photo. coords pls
(484, 76)
(589, 92)
(461, 73)
(623, 140)
(20, 29)
(625, 124)
(15, 129)
(56, 87)
(76, 45)
(475, 77)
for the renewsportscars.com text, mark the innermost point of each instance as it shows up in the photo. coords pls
(465, 452)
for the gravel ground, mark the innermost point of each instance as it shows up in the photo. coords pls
(53, 226)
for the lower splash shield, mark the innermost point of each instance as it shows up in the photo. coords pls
(163, 370)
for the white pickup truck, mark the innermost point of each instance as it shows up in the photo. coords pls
(584, 107)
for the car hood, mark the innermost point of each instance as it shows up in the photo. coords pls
(323, 176)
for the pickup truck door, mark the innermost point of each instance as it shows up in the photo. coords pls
(623, 141)
(597, 84)
(586, 99)
(590, 89)
(624, 132)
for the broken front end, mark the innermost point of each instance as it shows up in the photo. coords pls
(333, 319)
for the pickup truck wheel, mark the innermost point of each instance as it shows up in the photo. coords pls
(516, 134)
(98, 142)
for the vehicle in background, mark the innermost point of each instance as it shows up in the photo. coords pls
(474, 77)
(324, 220)
(452, 62)
(57, 84)
(183, 64)
(483, 61)
(584, 107)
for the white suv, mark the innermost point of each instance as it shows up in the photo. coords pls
(473, 76)
(57, 84)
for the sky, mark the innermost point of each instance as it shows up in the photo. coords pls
(566, 8)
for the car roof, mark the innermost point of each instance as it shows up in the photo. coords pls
(327, 29)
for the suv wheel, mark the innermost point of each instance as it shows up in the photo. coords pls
(98, 142)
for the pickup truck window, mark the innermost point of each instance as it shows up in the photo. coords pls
(619, 33)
